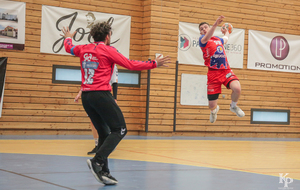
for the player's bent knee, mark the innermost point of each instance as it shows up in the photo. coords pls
(120, 132)
(237, 89)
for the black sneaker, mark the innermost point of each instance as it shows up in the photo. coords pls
(108, 179)
(101, 176)
(93, 151)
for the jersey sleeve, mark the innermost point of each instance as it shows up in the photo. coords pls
(222, 40)
(121, 60)
(200, 43)
(70, 48)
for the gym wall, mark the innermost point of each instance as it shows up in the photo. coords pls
(35, 105)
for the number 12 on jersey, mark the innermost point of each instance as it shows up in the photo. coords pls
(88, 76)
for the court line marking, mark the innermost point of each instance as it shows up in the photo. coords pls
(36, 179)
(206, 163)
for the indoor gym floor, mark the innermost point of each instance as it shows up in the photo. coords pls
(152, 163)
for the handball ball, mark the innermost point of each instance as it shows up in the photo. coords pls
(228, 26)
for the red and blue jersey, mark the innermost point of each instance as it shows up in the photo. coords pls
(214, 53)
(97, 62)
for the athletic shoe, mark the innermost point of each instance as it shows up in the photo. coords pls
(108, 179)
(237, 111)
(213, 115)
(101, 176)
(93, 151)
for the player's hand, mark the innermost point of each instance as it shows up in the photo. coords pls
(219, 20)
(76, 99)
(224, 30)
(67, 33)
(162, 61)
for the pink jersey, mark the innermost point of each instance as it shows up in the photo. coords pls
(214, 53)
(97, 62)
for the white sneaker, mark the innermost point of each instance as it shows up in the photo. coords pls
(237, 111)
(213, 115)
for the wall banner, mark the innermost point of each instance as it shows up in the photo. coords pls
(273, 52)
(189, 51)
(193, 90)
(12, 25)
(55, 18)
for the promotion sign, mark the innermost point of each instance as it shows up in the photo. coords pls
(12, 25)
(189, 51)
(55, 18)
(273, 51)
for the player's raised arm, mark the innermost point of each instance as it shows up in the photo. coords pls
(67, 33)
(208, 33)
(69, 47)
(226, 33)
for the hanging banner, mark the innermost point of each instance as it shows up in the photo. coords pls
(12, 25)
(3, 63)
(273, 52)
(189, 51)
(55, 18)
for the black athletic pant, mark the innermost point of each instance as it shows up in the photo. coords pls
(102, 109)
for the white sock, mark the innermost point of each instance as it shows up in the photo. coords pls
(214, 111)
(96, 142)
(233, 104)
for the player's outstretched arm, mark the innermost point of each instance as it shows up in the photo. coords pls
(210, 33)
(69, 47)
(67, 33)
(162, 61)
(219, 20)
(121, 60)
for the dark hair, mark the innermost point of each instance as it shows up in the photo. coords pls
(202, 24)
(99, 31)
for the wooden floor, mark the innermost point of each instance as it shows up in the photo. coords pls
(144, 163)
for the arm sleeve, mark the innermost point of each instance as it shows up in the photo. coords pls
(70, 48)
(200, 43)
(222, 40)
(115, 89)
(120, 59)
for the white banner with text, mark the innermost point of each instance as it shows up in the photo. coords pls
(55, 18)
(273, 52)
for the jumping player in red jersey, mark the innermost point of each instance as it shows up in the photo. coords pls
(219, 71)
(97, 62)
